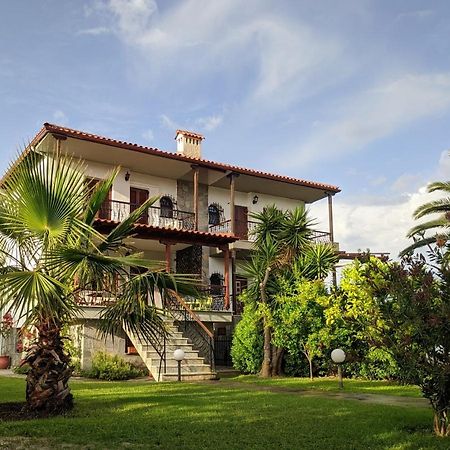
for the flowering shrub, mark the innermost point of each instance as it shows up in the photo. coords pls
(6, 327)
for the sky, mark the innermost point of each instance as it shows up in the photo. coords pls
(350, 93)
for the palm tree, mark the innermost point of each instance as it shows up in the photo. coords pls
(283, 250)
(51, 252)
(440, 224)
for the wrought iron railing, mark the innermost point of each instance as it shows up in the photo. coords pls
(160, 217)
(246, 230)
(211, 298)
(191, 326)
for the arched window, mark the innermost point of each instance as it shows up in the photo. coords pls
(166, 205)
(215, 213)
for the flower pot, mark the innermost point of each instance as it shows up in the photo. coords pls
(4, 362)
(131, 350)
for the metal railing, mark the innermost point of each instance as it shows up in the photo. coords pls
(159, 217)
(210, 298)
(191, 326)
(246, 230)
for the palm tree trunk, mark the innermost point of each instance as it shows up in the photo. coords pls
(47, 381)
(267, 357)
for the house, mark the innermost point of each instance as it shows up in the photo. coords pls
(201, 224)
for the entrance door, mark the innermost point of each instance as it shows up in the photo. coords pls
(241, 221)
(137, 198)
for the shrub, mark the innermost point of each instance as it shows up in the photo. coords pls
(112, 368)
(247, 348)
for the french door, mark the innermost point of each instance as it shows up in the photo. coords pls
(137, 198)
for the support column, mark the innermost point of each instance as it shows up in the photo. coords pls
(232, 177)
(226, 262)
(233, 281)
(331, 230)
(168, 257)
(58, 139)
(330, 216)
(196, 180)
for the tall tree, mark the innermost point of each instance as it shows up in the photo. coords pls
(51, 252)
(283, 245)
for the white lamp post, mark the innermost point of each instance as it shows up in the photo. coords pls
(338, 357)
(178, 354)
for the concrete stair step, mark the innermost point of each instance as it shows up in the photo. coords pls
(200, 376)
(169, 354)
(198, 368)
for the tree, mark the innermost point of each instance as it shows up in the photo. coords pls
(51, 252)
(440, 224)
(416, 308)
(299, 320)
(283, 246)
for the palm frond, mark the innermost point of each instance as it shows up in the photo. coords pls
(441, 222)
(419, 244)
(436, 206)
(439, 186)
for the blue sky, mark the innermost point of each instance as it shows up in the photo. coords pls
(353, 93)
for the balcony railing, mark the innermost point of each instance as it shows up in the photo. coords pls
(211, 298)
(246, 230)
(155, 216)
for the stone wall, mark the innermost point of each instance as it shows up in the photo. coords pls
(91, 343)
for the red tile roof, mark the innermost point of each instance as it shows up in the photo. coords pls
(68, 132)
(190, 133)
(187, 236)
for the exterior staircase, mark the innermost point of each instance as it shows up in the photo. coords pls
(160, 361)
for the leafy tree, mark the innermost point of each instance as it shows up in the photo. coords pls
(299, 320)
(355, 321)
(283, 247)
(416, 310)
(51, 252)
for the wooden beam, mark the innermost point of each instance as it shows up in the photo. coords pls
(196, 177)
(168, 257)
(330, 216)
(226, 262)
(232, 177)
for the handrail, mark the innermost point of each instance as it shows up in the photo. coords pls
(191, 313)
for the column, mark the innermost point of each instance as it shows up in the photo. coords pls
(226, 262)
(196, 178)
(232, 201)
(168, 257)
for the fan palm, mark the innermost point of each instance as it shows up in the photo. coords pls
(283, 250)
(440, 225)
(51, 253)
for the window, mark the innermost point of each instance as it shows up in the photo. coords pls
(216, 282)
(214, 214)
(166, 205)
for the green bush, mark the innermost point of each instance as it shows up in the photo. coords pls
(112, 368)
(247, 348)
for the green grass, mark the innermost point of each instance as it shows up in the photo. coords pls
(331, 384)
(213, 416)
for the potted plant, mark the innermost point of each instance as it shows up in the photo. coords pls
(6, 328)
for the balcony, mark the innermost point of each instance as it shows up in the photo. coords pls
(245, 231)
(158, 217)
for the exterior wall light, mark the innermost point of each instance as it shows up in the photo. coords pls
(255, 199)
(127, 176)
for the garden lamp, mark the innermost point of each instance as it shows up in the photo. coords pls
(178, 354)
(338, 357)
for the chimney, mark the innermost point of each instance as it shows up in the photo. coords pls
(189, 143)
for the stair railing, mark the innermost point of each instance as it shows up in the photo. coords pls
(193, 328)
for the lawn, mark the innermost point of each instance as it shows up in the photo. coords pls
(331, 384)
(213, 416)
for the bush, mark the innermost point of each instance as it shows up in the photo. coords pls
(247, 348)
(112, 368)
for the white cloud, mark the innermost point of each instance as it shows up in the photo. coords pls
(375, 114)
(209, 123)
(168, 123)
(148, 135)
(96, 31)
(60, 117)
(192, 39)
(379, 225)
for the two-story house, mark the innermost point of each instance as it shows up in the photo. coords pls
(201, 224)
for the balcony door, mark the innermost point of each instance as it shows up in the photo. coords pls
(241, 221)
(137, 198)
(106, 208)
